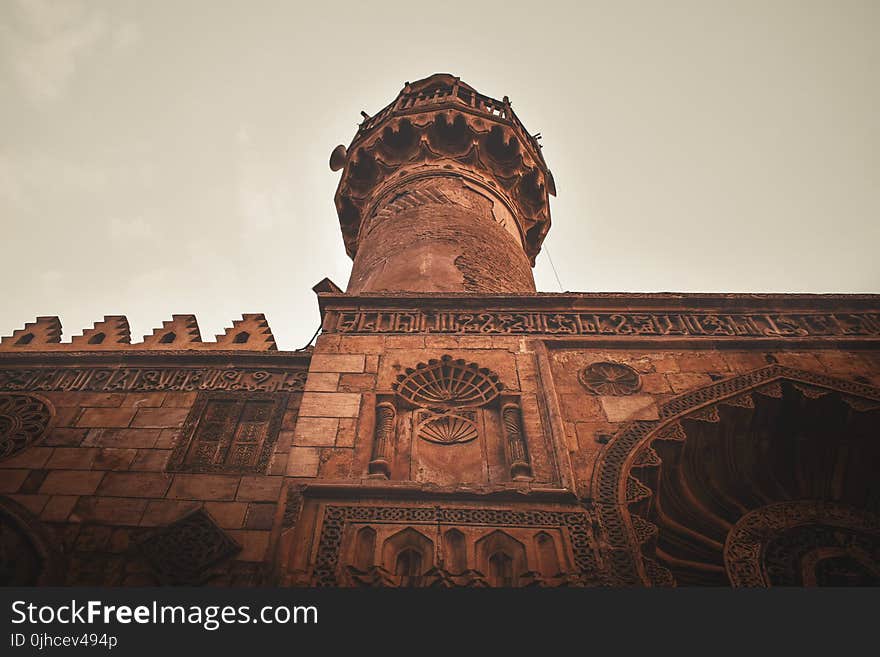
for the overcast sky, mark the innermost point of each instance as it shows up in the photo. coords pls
(171, 157)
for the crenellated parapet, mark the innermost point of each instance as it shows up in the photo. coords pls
(251, 332)
(42, 332)
(180, 333)
(113, 331)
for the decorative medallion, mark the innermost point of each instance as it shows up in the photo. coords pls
(610, 379)
(185, 550)
(446, 383)
(446, 428)
(23, 421)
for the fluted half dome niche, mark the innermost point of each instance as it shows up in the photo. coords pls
(445, 382)
(447, 428)
(776, 486)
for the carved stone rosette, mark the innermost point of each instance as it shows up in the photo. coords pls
(23, 421)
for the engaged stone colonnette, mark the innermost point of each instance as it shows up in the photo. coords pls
(450, 427)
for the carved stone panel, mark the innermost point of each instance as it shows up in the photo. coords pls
(453, 547)
(229, 432)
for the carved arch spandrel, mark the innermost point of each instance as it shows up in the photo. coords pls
(616, 492)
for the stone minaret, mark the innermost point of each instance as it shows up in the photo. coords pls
(443, 190)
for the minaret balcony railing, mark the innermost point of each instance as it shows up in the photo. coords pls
(425, 99)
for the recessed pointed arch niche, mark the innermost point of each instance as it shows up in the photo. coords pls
(763, 479)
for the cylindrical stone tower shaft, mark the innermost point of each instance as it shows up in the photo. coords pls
(443, 191)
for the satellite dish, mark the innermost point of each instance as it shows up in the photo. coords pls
(337, 158)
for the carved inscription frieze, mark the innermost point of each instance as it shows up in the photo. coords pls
(144, 379)
(707, 325)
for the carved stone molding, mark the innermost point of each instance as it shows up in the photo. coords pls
(149, 379)
(24, 419)
(292, 507)
(728, 387)
(379, 466)
(447, 428)
(517, 449)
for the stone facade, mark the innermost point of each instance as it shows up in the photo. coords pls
(451, 427)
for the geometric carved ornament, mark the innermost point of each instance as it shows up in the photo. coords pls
(804, 543)
(452, 570)
(23, 420)
(184, 551)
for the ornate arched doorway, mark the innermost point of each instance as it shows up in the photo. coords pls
(764, 479)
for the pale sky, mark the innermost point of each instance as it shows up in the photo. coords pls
(171, 157)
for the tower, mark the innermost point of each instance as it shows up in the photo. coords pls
(443, 190)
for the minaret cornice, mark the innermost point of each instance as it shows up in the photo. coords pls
(443, 125)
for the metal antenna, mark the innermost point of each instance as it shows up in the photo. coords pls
(554, 268)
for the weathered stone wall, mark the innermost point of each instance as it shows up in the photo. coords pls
(441, 234)
(592, 419)
(446, 429)
(99, 480)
